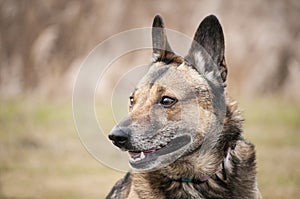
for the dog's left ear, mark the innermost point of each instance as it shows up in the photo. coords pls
(207, 51)
(161, 47)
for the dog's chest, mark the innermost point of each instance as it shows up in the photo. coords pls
(164, 189)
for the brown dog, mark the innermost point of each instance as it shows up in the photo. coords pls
(182, 134)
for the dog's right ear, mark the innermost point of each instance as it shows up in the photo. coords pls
(161, 48)
(207, 51)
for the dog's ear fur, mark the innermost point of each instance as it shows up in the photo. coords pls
(161, 48)
(207, 51)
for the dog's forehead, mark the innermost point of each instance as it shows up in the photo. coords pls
(177, 78)
(157, 71)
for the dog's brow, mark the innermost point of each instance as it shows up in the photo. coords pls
(158, 74)
(160, 89)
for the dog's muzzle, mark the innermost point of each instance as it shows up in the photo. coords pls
(153, 158)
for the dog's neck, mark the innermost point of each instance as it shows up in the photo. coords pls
(223, 167)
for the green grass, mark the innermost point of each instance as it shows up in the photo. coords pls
(273, 125)
(41, 155)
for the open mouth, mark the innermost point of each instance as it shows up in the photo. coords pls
(137, 156)
(142, 159)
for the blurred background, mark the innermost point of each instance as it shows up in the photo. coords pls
(43, 43)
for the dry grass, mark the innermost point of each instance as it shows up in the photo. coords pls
(41, 155)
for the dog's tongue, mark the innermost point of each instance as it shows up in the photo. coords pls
(149, 150)
(134, 155)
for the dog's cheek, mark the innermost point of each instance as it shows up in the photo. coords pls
(205, 120)
(173, 113)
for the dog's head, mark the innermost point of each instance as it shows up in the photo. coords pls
(179, 105)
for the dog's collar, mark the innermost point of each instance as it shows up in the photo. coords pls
(203, 179)
(195, 181)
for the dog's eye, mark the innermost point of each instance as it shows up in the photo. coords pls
(131, 102)
(167, 101)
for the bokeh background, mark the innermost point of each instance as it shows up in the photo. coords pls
(43, 43)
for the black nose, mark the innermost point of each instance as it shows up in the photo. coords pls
(120, 136)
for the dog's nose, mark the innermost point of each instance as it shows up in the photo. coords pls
(120, 136)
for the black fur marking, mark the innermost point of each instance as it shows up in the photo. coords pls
(120, 187)
(158, 74)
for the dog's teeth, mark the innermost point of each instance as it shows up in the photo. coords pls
(140, 157)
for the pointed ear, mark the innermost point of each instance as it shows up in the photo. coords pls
(161, 48)
(207, 51)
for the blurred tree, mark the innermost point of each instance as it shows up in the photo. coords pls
(41, 40)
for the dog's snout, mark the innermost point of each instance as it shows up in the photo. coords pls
(120, 136)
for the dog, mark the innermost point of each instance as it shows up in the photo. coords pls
(182, 133)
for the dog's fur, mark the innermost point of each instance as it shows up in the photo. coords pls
(211, 158)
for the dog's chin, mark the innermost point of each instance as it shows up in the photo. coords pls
(157, 158)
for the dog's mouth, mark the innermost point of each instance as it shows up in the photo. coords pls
(136, 156)
(140, 155)
(145, 159)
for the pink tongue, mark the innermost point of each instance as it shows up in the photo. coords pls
(135, 155)
(149, 150)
